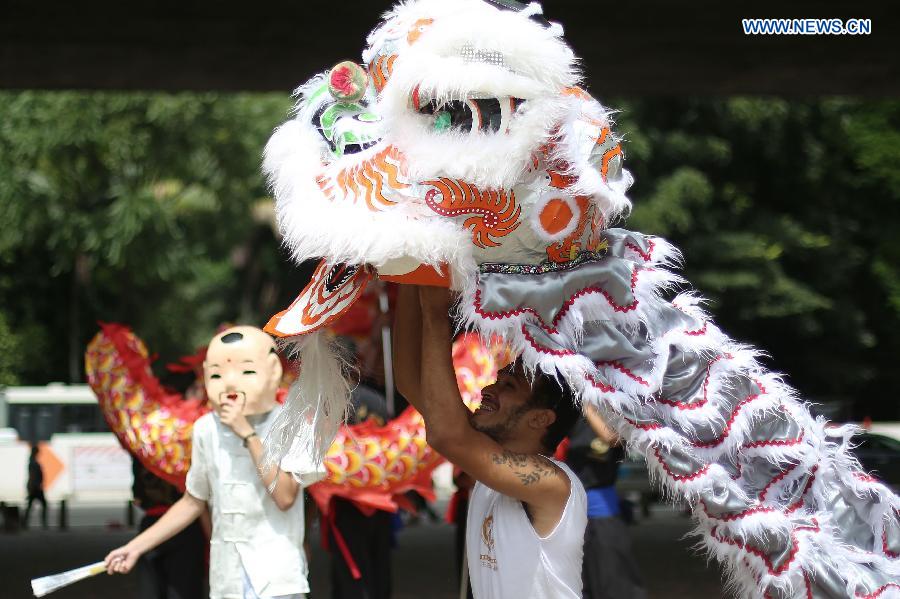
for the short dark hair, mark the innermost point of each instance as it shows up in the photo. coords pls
(554, 393)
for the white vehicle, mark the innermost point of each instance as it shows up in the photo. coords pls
(82, 460)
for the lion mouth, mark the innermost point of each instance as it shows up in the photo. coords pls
(488, 115)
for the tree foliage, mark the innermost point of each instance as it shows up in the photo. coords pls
(785, 212)
(131, 207)
(149, 209)
(10, 354)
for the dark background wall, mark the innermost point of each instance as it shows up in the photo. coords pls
(661, 47)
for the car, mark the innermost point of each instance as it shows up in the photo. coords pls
(879, 456)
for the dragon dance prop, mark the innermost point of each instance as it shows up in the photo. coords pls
(462, 152)
(368, 464)
(150, 423)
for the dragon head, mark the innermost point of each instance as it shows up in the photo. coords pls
(462, 140)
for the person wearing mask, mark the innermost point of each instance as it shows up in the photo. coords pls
(256, 550)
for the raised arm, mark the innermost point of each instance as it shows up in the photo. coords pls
(408, 344)
(530, 478)
(603, 431)
(177, 518)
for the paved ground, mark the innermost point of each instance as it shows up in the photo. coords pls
(423, 561)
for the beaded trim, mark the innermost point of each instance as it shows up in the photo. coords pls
(542, 268)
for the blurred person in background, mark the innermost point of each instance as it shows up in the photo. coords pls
(176, 568)
(594, 454)
(361, 569)
(35, 488)
(457, 513)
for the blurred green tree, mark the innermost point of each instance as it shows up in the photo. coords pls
(785, 213)
(147, 209)
(10, 354)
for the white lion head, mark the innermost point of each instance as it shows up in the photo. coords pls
(469, 142)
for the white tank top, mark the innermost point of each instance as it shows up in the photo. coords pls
(508, 560)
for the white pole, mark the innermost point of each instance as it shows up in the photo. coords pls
(464, 579)
(386, 350)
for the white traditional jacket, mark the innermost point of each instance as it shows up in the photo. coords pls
(249, 531)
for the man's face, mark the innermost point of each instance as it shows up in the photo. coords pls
(503, 404)
(241, 368)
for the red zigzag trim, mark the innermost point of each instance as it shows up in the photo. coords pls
(699, 404)
(734, 413)
(775, 442)
(559, 353)
(566, 306)
(763, 508)
(599, 385)
(651, 426)
(878, 592)
(795, 547)
(699, 332)
(679, 477)
(778, 478)
(648, 255)
(621, 368)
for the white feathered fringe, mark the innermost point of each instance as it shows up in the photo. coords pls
(801, 473)
(316, 404)
(535, 64)
(340, 230)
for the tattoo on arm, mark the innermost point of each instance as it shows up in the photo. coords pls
(529, 468)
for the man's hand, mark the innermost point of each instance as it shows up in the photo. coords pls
(231, 413)
(122, 560)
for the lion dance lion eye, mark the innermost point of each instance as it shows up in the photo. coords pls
(473, 114)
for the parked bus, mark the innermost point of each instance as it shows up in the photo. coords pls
(82, 460)
(37, 413)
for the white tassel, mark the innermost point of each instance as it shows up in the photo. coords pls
(315, 406)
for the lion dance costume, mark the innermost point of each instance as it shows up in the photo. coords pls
(463, 153)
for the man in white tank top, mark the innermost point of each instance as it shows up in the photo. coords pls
(528, 512)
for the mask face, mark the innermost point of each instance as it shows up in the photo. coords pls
(242, 367)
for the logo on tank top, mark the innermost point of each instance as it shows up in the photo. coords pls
(487, 538)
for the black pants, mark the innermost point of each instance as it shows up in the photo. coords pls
(369, 540)
(609, 570)
(39, 497)
(175, 569)
(462, 512)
